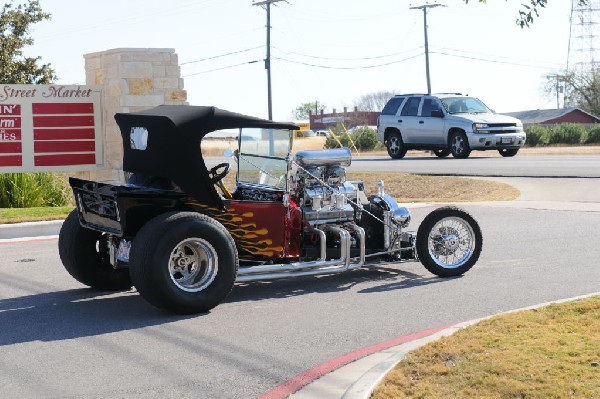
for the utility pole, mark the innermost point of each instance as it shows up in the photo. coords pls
(267, 6)
(424, 8)
(558, 88)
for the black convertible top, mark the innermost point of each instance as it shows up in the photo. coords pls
(173, 143)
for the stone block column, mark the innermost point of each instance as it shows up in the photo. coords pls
(132, 79)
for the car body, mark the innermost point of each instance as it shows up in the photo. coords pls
(446, 124)
(182, 238)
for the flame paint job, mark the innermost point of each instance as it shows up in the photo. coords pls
(261, 229)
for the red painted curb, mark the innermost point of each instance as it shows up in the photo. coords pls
(28, 239)
(292, 385)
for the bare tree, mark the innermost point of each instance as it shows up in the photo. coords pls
(373, 101)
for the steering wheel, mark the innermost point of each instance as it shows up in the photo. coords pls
(215, 177)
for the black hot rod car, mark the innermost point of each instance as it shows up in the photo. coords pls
(183, 244)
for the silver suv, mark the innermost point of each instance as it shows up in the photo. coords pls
(446, 123)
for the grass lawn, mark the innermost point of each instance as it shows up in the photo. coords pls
(550, 352)
(18, 215)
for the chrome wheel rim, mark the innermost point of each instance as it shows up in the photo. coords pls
(451, 242)
(193, 264)
(393, 145)
(458, 144)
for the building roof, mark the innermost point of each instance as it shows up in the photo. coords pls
(545, 115)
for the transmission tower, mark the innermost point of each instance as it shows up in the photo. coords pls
(584, 46)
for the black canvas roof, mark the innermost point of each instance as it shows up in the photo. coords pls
(174, 139)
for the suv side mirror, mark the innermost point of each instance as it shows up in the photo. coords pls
(437, 113)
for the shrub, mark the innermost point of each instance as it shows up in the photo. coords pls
(566, 133)
(593, 136)
(535, 135)
(364, 139)
(26, 190)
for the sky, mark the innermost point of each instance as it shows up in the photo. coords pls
(330, 51)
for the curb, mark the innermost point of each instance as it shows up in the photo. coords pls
(369, 371)
(30, 229)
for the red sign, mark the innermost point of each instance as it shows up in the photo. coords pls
(10, 109)
(49, 128)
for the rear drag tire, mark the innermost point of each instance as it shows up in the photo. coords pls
(84, 254)
(183, 262)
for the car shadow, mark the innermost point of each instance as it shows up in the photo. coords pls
(76, 313)
(385, 278)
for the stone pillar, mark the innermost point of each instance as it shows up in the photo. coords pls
(132, 79)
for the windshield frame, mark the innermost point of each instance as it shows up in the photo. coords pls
(264, 157)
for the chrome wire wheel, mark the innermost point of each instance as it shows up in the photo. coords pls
(193, 264)
(451, 242)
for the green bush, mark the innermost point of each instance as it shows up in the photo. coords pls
(566, 133)
(364, 139)
(593, 136)
(535, 135)
(26, 190)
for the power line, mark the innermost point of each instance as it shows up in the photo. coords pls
(220, 69)
(221, 55)
(494, 61)
(348, 68)
(346, 59)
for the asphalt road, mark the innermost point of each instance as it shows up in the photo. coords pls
(61, 340)
(484, 164)
(574, 166)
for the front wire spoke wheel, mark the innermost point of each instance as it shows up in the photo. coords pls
(451, 242)
(448, 242)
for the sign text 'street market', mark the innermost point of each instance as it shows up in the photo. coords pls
(12, 91)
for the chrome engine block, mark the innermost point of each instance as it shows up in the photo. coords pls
(327, 197)
(320, 184)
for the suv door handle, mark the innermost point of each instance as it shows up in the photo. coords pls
(399, 120)
(421, 122)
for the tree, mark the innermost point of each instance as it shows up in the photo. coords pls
(580, 89)
(373, 101)
(526, 14)
(305, 109)
(15, 67)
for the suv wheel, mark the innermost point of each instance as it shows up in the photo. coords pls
(459, 145)
(395, 146)
(505, 152)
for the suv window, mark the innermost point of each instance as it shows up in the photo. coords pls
(429, 104)
(391, 108)
(411, 108)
